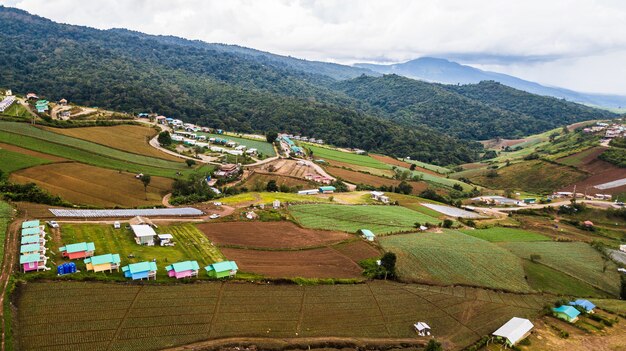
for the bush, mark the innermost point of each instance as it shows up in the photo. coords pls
(447, 223)
(164, 138)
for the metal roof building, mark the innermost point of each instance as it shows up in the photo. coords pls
(514, 330)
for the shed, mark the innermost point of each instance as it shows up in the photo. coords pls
(588, 223)
(184, 269)
(327, 189)
(30, 224)
(586, 304)
(165, 239)
(514, 330)
(276, 204)
(33, 231)
(144, 234)
(567, 313)
(141, 270)
(101, 263)
(367, 234)
(309, 192)
(422, 328)
(222, 269)
(33, 262)
(142, 220)
(78, 250)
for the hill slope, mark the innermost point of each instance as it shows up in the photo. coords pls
(448, 72)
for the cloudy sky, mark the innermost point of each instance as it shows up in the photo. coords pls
(577, 44)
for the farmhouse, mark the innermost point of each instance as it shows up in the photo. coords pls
(251, 151)
(227, 170)
(31, 96)
(184, 269)
(141, 270)
(327, 189)
(161, 119)
(222, 269)
(41, 106)
(567, 313)
(144, 234)
(33, 262)
(63, 102)
(422, 329)
(514, 330)
(102, 263)
(586, 304)
(78, 250)
(367, 234)
(380, 196)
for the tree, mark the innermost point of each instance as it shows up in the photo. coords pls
(271, 137)
(458, 187)
(145, 179)
(388, 262)
(405, 188)
(190, 162)
(164, 138)
(447, 223)
(271, 186)
(433, 345)
(412, 167)
(622, 294)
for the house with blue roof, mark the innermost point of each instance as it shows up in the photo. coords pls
(367, 234)
(586, 304)
(566, 313)
(222, 269)
(30, 224)
(101, 263)
(140, 270)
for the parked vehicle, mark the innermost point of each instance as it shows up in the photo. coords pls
(116, 225)
(214, 216)
(53, 224)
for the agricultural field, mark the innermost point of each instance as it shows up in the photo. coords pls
(39, 140)
(357, 250)
(129, 138)
(269, 235)
(350, 158)
(545, 279)
(267, 198)
(438, 179)
(428, 166)
(124, 317)
(82, 184)
(191, 244)
(262, 146)
(16, 110)
(454, 258)
(600, 171)
(576, 259)
(368, 179)
(501, 234)
(258, 182)
(379, 219)
(612, 305)
(6, 212)
(318, 263)
(11, 161)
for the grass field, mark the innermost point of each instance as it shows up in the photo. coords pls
(191, 244)
(576, 259)
(129, 138)
(87, 152)
(5, 217)
(359, 160)
(455, 258)
(82, 184)
(378, 219)
(263, 147)
(500, 234)
(428, 166)
(440, 180)
(53, 315)
(16, 110)
(11, 161)
(615, 306)
(545, 279)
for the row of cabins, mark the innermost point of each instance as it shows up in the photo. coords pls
(304, 138)
(187, 269)
(33, 247)
(569, 194)
(6, 102)
(321, 190)
(318, 178)
(289, 146)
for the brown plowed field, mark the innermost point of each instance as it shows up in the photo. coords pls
(362, 178)
(257, 180)
(357, 250)
(601, 172)
(315, 263)
(269, 235)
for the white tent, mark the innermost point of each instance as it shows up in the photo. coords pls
(514, 330)
(422, 328)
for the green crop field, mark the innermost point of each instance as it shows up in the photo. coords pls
(11, 161)
(360, 160)
(108, 316)
(268, 198)
(262, 146)
(434, 168)
(191, 244)
(16, 110)
(500, 234)
(378, 219)
(545, 279)
(576, 259)
(441, 180)
(5, 217)
(455, 258)
(615, 306)
(89, 153)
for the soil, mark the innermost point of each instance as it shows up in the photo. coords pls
(314, 263)
(362, 178)
(357, 250)
(502, 143)
(261, 179)
(600, 172)
(269, 235)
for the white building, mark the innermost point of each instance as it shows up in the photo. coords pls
(422, 329)
(144, 234)
(514, 330)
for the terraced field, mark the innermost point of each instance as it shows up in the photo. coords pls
(336, 155)
(12, 161)
(49, 315)
(455, 258)
(369, 179)
(379, 219)
(501, 234)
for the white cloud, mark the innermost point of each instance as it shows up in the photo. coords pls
(578, 42)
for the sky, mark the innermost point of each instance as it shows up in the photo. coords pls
(576, 44)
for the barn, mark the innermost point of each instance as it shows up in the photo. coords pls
(101, 263)
(141, 270)
(222, 269)
(144, 234)
(184, 269)
(514, 330)
(78, 250)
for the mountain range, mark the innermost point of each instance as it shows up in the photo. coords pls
(236, 88)
(447, 72)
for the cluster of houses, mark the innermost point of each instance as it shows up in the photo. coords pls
(193, 139)
(288, 146)
(6, 102)
(321, 190)
(569, 194)
(501, 200)
(33, 247)
(380, 196)
(609, 131)
(302, 138)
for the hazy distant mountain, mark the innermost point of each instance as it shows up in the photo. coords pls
(448, 72)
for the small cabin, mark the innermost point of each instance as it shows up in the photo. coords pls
(165, 239)
(144, 234)
(586, 304)
(222, 269)
(33, 239)
(566, 313)
(422, 329)
(101, 263)
(186, 269)
(33, 262)
(78, 250)
(141, 270)
(34, 231)
(327, 189)
(31, 224)
(32, 249)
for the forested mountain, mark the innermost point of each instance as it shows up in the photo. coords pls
(443, 71)
(475, 111)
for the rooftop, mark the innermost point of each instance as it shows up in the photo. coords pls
(142, 230)
(183, 266)
(102, 259)
(514, 329)
(30, 224)
(222, 266)
(140, 267)
(78, 247)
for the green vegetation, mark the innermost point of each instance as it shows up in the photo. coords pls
(500, 234)
(5, 218)
(440, 180)
(455, 258)
(11, 161)
(616, 156)
(379, 219)
(434, 168)
(268, 198)
(262, 146)
(576, 259)
(16, 110)
(545, 279)
(618, 142)
(347, 157)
